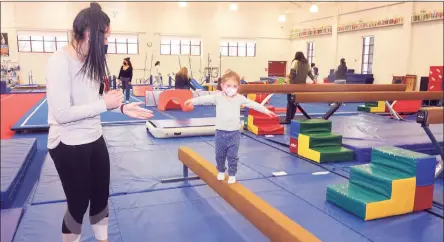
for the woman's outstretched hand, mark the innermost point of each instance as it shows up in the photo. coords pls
(134, 110)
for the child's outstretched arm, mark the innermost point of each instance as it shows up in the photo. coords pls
(201, 100)
(256, 106)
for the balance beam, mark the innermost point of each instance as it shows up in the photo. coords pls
(292, 88)
(319, 97)
(272, 223)
(427, 116)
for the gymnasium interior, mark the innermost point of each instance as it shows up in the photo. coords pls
(361, 161)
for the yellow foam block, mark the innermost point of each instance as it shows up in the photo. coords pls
(250, 125)
(379, 109)
(401, 201)
(251, 96)
(305, 151)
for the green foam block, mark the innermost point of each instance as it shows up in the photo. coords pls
(371, 104)
(376, 177)
(334, 153)
(363, 108)
(315, 125)
(397, 158)
(325, 140)
(352, 198)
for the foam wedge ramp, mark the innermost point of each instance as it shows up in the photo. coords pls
(397, 181)
(316, 142)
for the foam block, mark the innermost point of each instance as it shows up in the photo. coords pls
(310, 126)
(423, 198)
(293, 145)
(416, 164)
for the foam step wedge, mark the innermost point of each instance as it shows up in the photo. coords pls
(376, 178)
(318, 140)
(412, 163)
(353, 198)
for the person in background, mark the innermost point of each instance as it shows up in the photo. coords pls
(341, 73)
(315, 72)
(228, 125)
(298, 75)
(157, 75)
(182, 80)
(125, 77)
(76, 97)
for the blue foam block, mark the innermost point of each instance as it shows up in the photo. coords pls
(15, 158)
(312, 189)
(199, 214)
(425, 171)
(295, 128)
(10, 219)
(43, 223)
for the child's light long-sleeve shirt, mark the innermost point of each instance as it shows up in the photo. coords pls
(228, 109)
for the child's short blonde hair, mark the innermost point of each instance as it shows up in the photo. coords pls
(230, 75)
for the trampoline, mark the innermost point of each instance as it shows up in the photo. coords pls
(183, 128)
(15, 158)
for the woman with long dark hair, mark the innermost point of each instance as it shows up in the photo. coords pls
(125, 77)
(75, 91)
(298, 75)
(182, 81)
(341, 73)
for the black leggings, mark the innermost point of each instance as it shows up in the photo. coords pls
(84, 171)
(126, 87)
(291, 108)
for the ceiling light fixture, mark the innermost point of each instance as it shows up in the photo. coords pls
(233, 6)
(182, 4)
(314, 8)
(282, 18)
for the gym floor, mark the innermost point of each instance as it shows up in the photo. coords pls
(144, 209)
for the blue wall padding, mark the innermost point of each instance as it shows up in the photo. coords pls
(15, 158)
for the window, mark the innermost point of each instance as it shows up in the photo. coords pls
(243, 48)
(310, 52)
(123, 44)
(41, 42)
(367, 54)
(180, 46)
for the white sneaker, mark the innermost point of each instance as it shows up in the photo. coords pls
(221, 176)
(127, 102)
(231, 179)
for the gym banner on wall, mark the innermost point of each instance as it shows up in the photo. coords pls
(4, 44)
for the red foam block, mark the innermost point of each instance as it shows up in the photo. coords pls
(423, 198)
(293, 145)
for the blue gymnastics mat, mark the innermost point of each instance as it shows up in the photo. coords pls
(10, 219)
(15, 158)
(43, 223)
(420, 226)
(363, 131)
(198, 214)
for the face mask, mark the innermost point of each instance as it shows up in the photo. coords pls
(105, 49)
(124, 63)
(231, 91)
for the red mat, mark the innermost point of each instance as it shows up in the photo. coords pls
(13, 107)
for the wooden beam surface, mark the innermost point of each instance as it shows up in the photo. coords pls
(315, 97)
(271, 222)
(432, 115)
(291, 88)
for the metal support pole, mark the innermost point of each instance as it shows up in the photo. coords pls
(439, 166)
(302, 110)
(393, 112)
(332, 110)
(185, 177)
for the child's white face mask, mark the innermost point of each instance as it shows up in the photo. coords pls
(230, 91)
